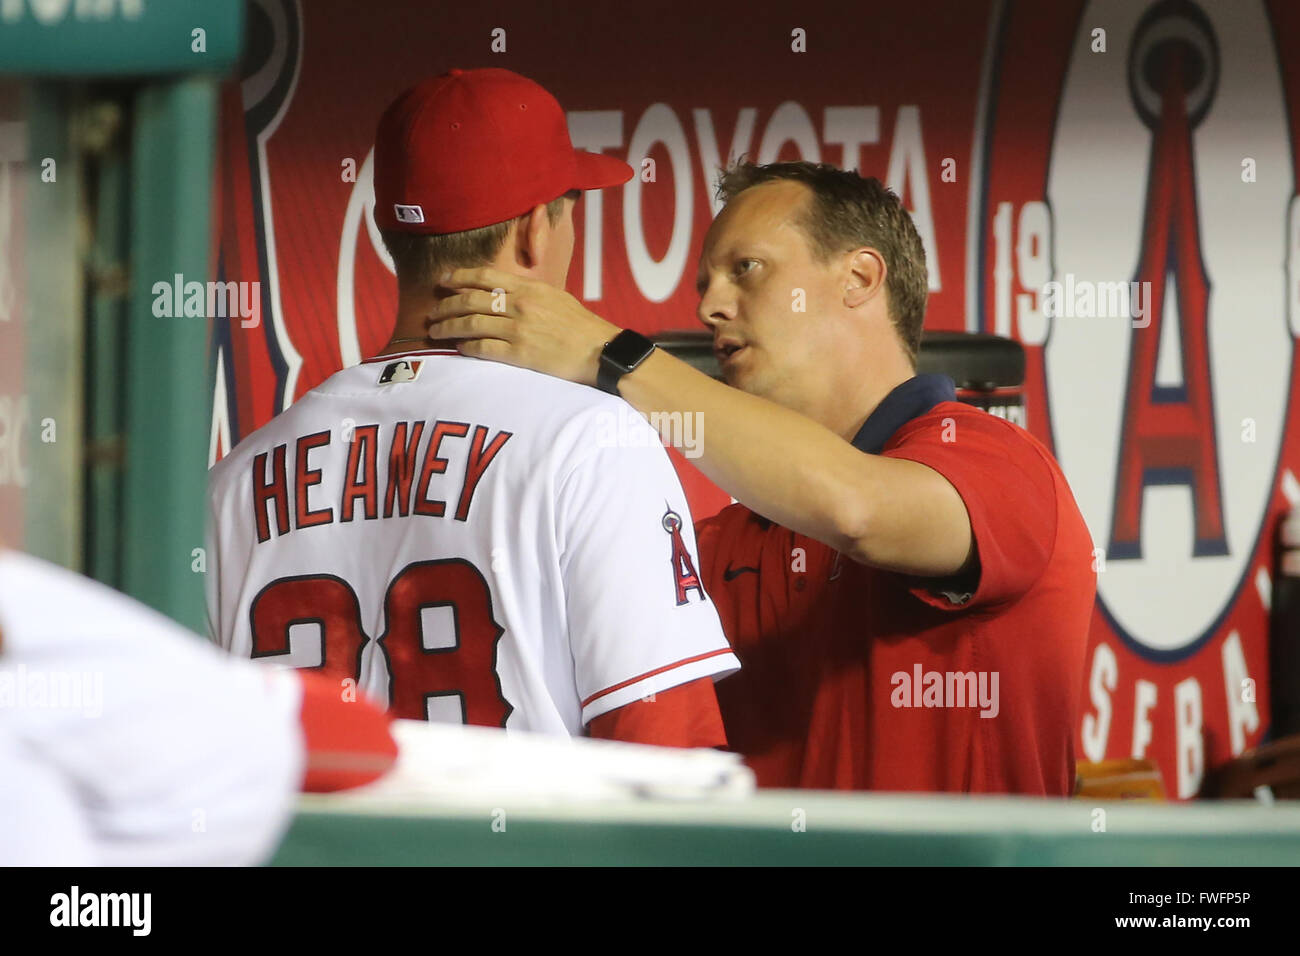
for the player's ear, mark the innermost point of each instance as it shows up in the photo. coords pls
(531, 234)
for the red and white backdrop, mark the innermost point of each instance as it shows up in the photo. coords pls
(1075, 142)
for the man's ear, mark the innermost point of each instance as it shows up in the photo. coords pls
(532, 231)
(866, 273)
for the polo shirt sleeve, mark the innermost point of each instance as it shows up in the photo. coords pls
(1009, 491)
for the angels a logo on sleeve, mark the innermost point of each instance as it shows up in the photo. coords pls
(685, 577)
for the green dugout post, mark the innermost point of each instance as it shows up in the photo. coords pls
(167, 383)
(172, 55)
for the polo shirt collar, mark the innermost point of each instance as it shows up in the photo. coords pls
(911, 399)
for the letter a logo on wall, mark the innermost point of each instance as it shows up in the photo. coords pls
(1168, 436)
(1145, 408)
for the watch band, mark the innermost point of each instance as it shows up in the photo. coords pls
(621, 354)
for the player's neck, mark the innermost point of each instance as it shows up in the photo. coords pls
(400, 344)
(409, 329)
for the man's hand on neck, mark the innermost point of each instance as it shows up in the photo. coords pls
(409, 329)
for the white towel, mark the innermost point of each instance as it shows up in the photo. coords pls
(449, 763)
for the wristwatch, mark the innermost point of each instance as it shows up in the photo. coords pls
(621, 354)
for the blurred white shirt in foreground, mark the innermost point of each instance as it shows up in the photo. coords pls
(126, 740)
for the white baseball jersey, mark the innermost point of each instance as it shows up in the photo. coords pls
(471, 542)
(126, 740)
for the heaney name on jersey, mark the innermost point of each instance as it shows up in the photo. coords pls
(412, 456)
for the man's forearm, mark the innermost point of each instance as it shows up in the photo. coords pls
(886, 512)
(782, 465)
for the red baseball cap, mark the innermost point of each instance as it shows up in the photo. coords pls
(475, 147)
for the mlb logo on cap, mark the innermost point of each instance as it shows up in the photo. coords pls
(408, 213)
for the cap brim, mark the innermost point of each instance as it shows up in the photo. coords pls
(598, 171)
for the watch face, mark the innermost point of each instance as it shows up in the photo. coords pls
(621, 354)
(628, 348)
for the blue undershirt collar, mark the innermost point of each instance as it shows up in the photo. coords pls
(911, 399)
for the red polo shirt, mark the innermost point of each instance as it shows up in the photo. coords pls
(859, 678)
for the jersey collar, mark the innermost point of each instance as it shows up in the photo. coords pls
(411, 353)
(911, 399)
